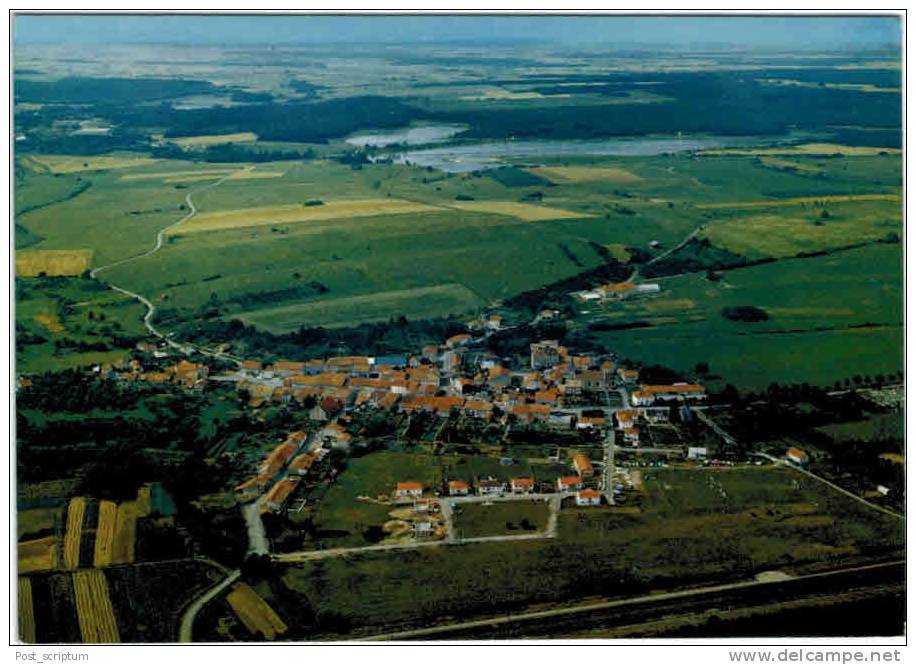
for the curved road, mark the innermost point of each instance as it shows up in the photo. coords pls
(187, 620)
(160, 238)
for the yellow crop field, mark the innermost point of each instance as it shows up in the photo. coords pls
(26, 611)
(823, 149)
(801, 201)
(51, 321)
(568, 174)
(207, 140)
(72, 537)
(104, 533)
(254, 613)
(162, 175)
(619, 251)
(289, 214)
(525, 211)
(93, 608)
(38, 555)
(125, 533)
(242, 174)
(76, 164)
(52, 262)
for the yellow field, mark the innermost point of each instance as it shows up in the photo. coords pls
(290, 214)
(254, 613)
(777, 163)
(26, 611)
(808, 149)
(75, 513)
(237, 175)
(104, 533)
(50, 321)
(568, 174)
(893, 457)
(525, 211)
(125, 533)
(52, 262)
(207, 140)
(76, 164)
(161, 175)
(38, 555)
(93, 608)
(619, 251)
(801, 200)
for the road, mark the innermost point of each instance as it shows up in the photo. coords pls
(185, 631)
(150, 307)
(257, 538)
(636, 602)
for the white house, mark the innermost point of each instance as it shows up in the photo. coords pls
(696, 453)
(569, 483)
(490, 487)
(408, 489)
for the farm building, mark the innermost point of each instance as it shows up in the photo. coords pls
(458, 488)
(696, 452)
(568, 483)
(649, 394)
(530, 412)
(457, 340)
(583, 466)
(588, 498)
(490, 487)
(522, 485)
(408, 489)
(797, 455)
(628, 375)
(302, 463)
(631, 435)
(279, 493)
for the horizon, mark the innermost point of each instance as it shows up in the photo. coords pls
(747, 32)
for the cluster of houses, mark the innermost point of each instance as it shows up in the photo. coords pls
(184, 373)
(280, 473)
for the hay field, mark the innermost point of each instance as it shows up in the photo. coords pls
(569, 174)
(124, 536)
(52, 262)
(162, 175)
(800, 167)
(207, 140)
(38, 555)
(76, 511)
(243, 174)
(94, 610)
(76, 164)
(291, 214)
(104, 533)
(619, 251)
(50, 321)
(800, 201)
(822, 149)
(524, 211)
(26, 611)
(254, 613)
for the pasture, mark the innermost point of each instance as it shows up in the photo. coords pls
(524, 211)
(354, 310)
(764, 519)
(66, 164)
(52, 262)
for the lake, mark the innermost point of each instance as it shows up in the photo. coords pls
(405, 136)
(478, 156)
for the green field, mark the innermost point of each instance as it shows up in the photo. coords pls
(763, 519)
(500, 518)
(830, 317)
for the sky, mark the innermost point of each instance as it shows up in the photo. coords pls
(748, 31)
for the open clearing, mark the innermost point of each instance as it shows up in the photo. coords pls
(525, 211)
(252, 611)
(74, 164)
(567, 174)
(354, 310)
(825, 149)
(289, 214)
(500, 518)
(207, 140)
(52, 262)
